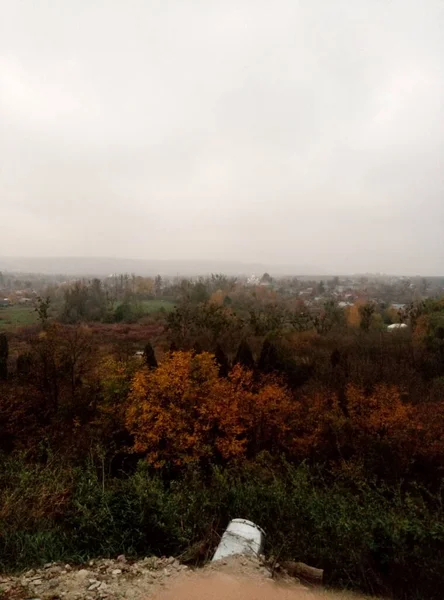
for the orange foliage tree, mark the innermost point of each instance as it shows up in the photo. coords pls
(354, 424)
(183, 412)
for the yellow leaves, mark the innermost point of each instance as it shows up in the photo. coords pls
(380, 412)
(144, 285)
(353, 315)
(183, 412)
(429, 424)
(217, 298)
(167, 407)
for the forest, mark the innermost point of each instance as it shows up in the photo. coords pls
(126, 430)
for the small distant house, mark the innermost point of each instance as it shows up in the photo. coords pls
(398, 306)
(307, 292)
(4, 302)
(396, 326)
(253, 280)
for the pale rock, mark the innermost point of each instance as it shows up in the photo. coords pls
(83, 573)
(94, 586)
(55, 569)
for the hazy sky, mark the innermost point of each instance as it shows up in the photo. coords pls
(308, 132)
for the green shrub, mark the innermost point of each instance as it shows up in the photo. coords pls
(384, 540)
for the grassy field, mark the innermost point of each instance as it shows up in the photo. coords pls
(17, 316)
(155, 305)
(20, 316)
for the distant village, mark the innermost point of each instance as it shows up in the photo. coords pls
(385, 292)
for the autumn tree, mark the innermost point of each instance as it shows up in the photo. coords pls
(168, 408)
(252, 415)
(184, 412)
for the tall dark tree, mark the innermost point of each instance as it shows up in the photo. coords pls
(150, 356)
(335, 358)
(269, 358)
(222, 361)
(366, 311)
(266, 278)
(158, 284)
(197, 348)
(244, 356)
(42, 309)
(24, 363)
(4, 352)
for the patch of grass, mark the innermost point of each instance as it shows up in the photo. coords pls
(17, 316)
(157, 305)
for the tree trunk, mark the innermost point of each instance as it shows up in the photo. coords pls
(305, 573)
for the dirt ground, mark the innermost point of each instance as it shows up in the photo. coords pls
(236, 578)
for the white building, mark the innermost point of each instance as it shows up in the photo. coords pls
(396, 326)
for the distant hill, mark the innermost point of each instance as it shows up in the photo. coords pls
(105, 266)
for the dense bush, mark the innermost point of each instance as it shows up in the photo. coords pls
(387, 540)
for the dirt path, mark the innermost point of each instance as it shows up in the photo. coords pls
(237, 578)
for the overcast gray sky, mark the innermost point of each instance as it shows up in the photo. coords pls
(305, 132)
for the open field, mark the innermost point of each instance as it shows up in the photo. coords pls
(17, 316)
(156, 305)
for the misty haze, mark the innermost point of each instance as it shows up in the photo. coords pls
(305, 134)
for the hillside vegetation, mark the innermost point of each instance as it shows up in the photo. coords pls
(147, 435)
